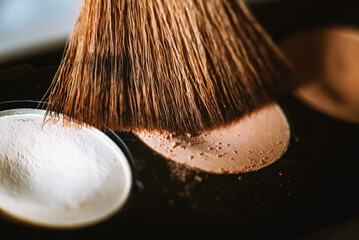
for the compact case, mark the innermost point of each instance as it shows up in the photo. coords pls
(311, 187)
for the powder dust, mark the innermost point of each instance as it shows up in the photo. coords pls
(250, 144)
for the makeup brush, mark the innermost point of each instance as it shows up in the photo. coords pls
(174, 65)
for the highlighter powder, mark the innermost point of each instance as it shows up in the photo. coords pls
(250, 144)
(326, 66)
(59, 175)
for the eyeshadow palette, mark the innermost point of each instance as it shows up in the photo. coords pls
(312, 186)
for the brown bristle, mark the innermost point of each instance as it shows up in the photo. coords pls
(174, 65)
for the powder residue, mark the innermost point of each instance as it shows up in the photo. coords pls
(247, 145)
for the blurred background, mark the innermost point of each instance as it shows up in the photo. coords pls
(30, 27)
(33, 27)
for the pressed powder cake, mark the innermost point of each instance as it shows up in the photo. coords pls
(326, 64)
(247, 145)
(58, 176)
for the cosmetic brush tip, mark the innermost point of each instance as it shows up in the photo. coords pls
(182, 66)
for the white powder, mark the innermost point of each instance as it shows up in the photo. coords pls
(59, 175)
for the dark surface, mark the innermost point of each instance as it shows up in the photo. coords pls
(313, 185)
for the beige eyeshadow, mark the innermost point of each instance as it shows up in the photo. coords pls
(247, 145)
(326, 63)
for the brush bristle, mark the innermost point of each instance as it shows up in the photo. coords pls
(174, 65)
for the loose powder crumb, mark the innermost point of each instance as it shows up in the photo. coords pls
(259, 133)
(198, 178)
